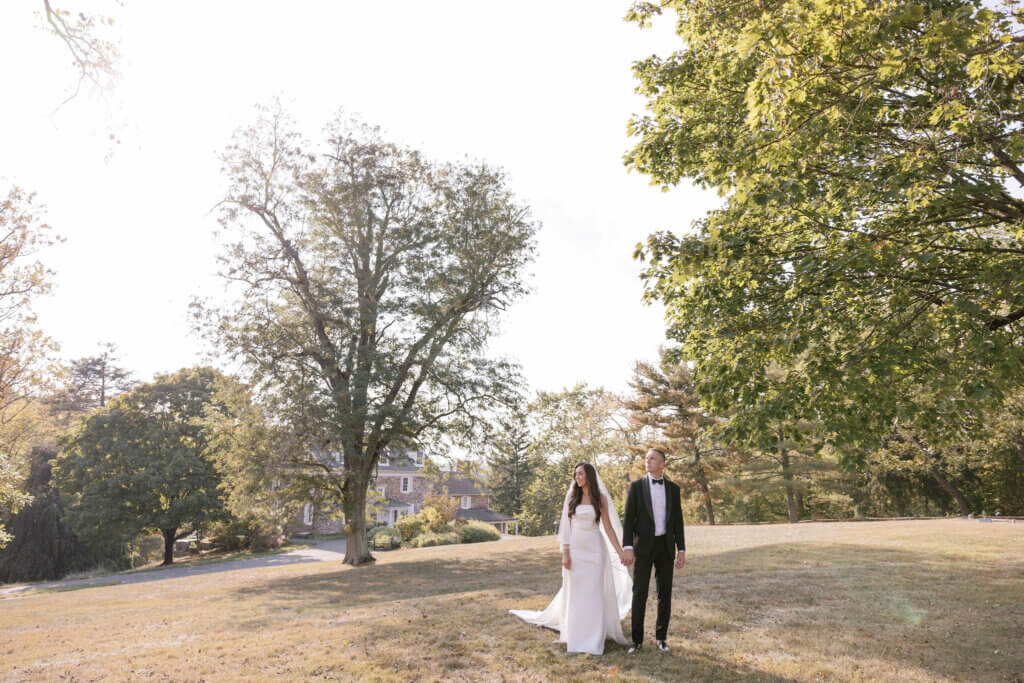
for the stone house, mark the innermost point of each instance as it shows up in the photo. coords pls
(473, 502)
(402, 482)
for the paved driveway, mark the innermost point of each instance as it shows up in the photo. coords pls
(317, 551)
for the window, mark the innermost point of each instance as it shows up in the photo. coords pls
(417, 457)
(307, 514)
(385, 460)
(405, 484)
(465, 502)
(380, 490)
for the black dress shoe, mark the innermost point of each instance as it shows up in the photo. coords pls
(663, 646)
(635, 647)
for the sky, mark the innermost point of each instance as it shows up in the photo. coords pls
(542, 89)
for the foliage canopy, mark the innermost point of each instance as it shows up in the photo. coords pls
(143, 462)
(871, 238)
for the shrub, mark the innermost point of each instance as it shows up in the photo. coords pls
(430, 539)
(477, 532)
(372, 532)
(446, 505)
(384, 537)
(384, 542)
(263, 537)
(428, 520)
(229, 534)
(244, 533)
(411, 526)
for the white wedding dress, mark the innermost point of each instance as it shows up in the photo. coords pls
(596, 592)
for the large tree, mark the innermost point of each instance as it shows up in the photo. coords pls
(25, 353)
(369, 280)
(870, 238)
(665, 399)
(143, 462)
(577, 424)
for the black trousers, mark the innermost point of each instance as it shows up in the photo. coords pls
(661, 560)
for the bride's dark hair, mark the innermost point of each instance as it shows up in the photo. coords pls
(577, 493)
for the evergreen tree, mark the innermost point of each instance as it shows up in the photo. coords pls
(665, 400)
(511, 464)
(44, 547)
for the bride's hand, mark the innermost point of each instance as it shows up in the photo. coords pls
(566, 562)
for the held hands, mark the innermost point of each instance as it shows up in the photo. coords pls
(627, 557)
(566, 561)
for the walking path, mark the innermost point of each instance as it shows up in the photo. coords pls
(317, 551)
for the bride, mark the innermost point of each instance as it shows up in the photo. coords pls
(596, 590)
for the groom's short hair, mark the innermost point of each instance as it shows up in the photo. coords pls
(659, 452)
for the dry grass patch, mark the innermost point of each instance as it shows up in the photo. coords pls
(940, 600)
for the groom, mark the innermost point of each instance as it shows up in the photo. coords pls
(651, 533)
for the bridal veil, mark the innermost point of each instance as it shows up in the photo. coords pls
(554, 615)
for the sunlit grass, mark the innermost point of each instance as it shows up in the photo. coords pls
(935, 600)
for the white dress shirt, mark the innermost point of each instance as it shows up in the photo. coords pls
(657, 504)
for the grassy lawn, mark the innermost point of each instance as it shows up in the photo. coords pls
(908, 601)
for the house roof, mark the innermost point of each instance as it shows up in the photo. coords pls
(459, 485)
(483, 515)
(403, 462)
(384, 469)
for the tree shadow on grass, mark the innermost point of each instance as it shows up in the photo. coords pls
(451, 617)
(937, 613)
(410, 579)
(837, 611)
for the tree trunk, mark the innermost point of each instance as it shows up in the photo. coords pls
(169, 537)
(357, 548)
(787, 478)
(933, 459)
(705, 494)
(948, 487)
(701, 477)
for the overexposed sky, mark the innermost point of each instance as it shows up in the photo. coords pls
(542, 89)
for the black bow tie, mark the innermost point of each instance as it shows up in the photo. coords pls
(657, 481)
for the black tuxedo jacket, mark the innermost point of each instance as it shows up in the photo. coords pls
(638, 525)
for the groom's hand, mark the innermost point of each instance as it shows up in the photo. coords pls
(628, 557)
(680, 559)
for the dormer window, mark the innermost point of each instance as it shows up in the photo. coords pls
(385, 460)
(466, 501)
